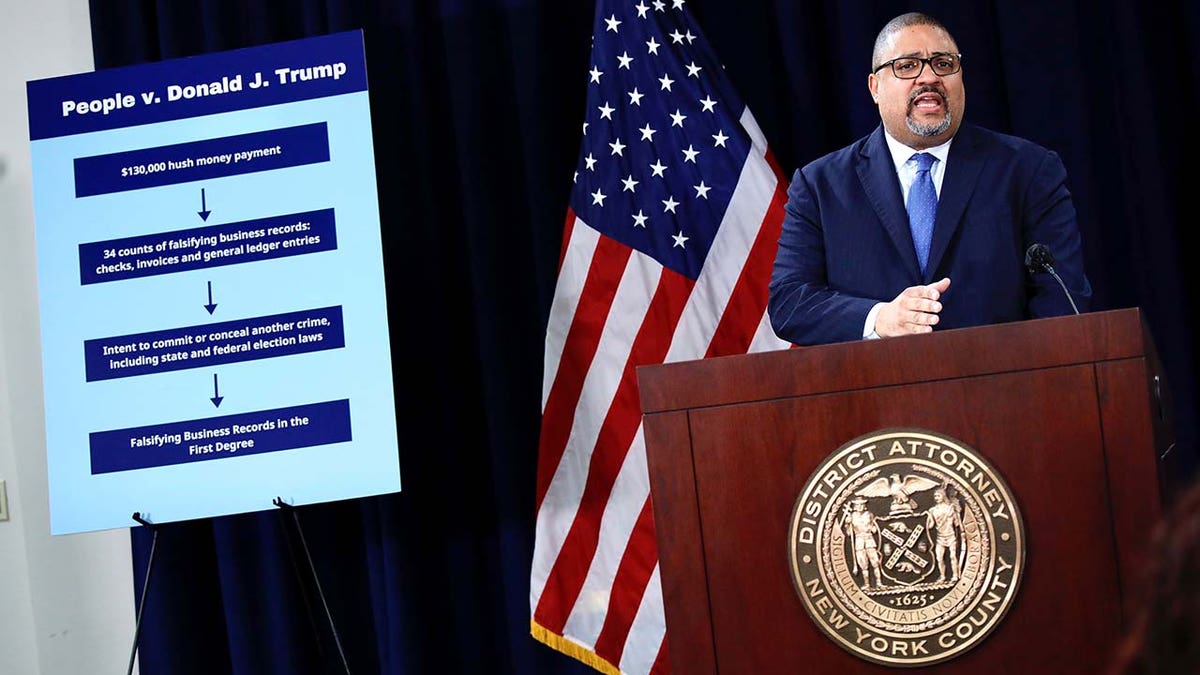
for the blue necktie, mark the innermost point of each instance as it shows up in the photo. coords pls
(922, 207)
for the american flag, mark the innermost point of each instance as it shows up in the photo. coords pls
(667, 251)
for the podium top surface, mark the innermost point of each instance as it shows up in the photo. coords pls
(964, 352)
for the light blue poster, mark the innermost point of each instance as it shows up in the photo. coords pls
(214, 324)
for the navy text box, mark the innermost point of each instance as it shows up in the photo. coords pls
(260, 337)
(202, 160)
(202, 247)
(241, 79)
(253, 433)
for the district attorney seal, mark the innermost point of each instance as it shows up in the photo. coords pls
(906, 547)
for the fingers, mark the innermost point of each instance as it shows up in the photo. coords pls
(918, 318)
(920, 304)
(931, 291)
(929, 307)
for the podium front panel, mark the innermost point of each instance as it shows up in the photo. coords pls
(751, 462)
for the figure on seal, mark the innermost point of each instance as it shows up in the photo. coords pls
(945, 520)
(863, 530)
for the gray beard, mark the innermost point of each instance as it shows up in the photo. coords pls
(928, 129)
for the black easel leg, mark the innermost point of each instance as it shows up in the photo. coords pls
(302, 583)
(337, 640)
(137, 631)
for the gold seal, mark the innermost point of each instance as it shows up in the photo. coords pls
(906, 547)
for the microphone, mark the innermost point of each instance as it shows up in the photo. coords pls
(1038, 258)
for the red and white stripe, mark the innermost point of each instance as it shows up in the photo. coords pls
(595, 576)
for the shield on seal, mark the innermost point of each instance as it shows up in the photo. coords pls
(906, 557)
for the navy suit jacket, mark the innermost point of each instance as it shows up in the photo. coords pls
(846, 244)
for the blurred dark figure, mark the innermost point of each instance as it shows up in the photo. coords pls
(1165, 635)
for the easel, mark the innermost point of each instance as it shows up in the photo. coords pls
(284, 507)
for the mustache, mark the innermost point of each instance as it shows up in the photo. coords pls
(927, 89)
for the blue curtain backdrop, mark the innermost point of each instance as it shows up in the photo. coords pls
(476, 110)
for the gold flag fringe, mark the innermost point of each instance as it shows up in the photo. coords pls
(575, 651)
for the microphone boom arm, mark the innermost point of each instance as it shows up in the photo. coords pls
(1050, 269)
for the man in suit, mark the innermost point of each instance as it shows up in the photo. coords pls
(925, 222)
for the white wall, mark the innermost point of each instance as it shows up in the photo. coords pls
(67, 602)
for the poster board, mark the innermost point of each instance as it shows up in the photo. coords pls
(210, 279)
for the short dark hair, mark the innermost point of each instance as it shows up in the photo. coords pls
(896, 25)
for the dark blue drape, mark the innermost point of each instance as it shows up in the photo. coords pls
(476, 111)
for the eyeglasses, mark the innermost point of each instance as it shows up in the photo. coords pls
(911, 67)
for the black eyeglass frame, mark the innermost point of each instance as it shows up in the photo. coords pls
(924, 62)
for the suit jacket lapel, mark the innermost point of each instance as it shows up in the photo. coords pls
(877, 174)
(962, 172)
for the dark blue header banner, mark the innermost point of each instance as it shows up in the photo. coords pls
(201, 85)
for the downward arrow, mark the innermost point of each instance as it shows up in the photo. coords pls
(203, 212)
(216, 397)
(211, 306)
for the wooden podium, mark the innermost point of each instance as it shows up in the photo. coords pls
(1068, 411)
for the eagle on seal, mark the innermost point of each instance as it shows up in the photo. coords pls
(899, 491)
